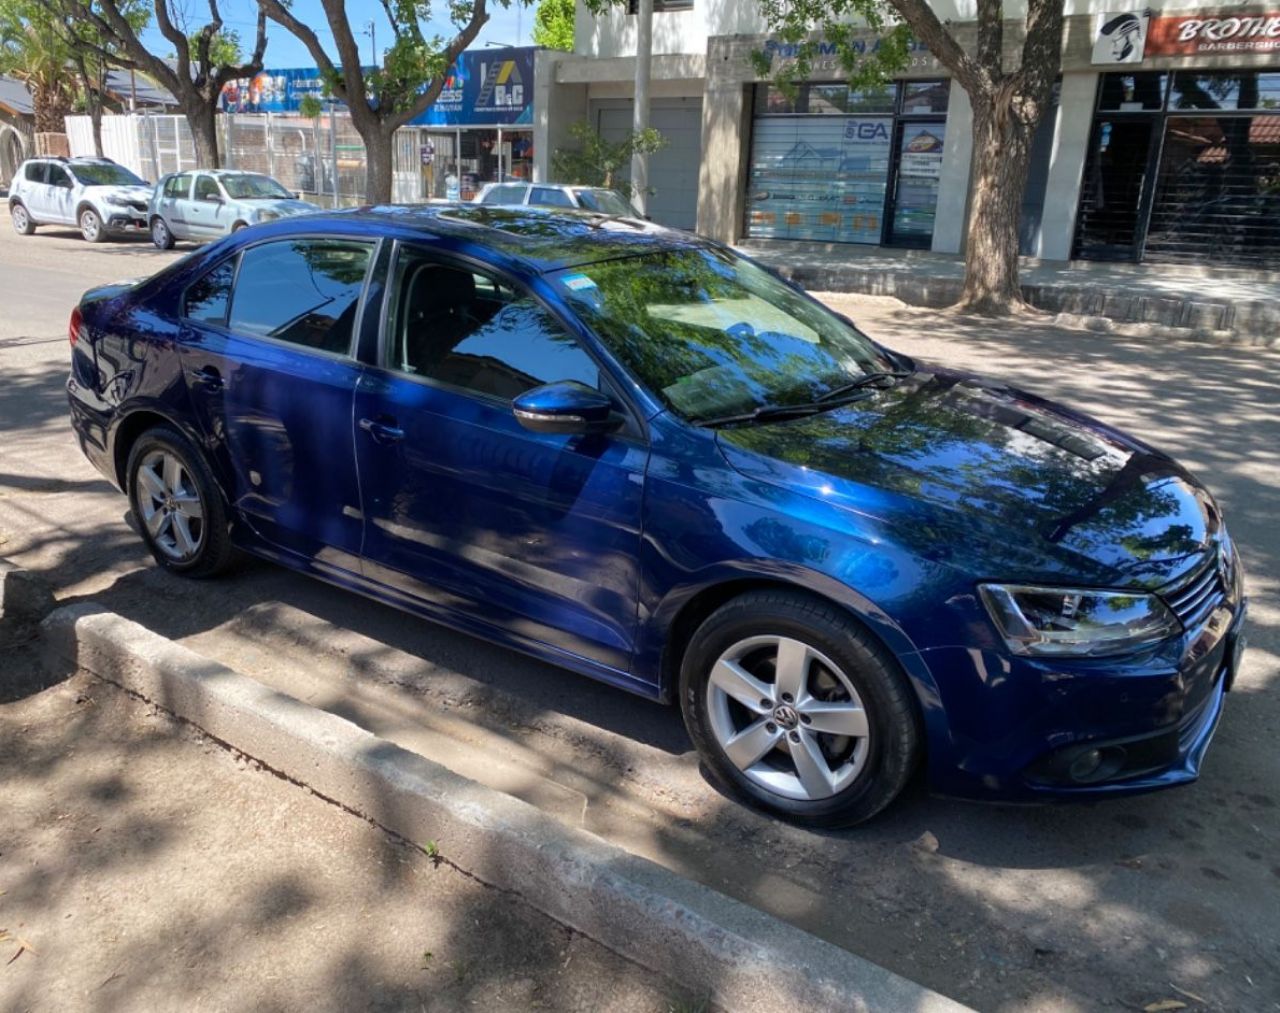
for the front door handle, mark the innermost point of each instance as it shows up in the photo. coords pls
(382, 432)
(207, 377)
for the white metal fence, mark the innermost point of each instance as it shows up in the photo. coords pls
(323, 159)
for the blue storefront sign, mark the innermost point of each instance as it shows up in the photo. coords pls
(274, 91)
(489, 88)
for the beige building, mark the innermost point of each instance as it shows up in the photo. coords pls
(1163, 145)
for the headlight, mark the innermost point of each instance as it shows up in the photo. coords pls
(268, 216)
(1062, 622)
(115, 202)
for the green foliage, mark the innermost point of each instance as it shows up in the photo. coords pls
(224, 49)
(596, 161)
(553, 24)
(34, 50)
(842, 28)
(310, 107)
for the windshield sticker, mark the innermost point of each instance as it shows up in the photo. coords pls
(578, 283)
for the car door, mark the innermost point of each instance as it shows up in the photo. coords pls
(173, 204)
(61, 196)
(267, 355)
(204, 207)
(35, 190)
(534, 534)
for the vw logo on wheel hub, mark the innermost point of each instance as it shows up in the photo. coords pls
(786, 716)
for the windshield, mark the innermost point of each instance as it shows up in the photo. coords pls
(713, 334)
(248, 186)
(606, 202)
(105, 174)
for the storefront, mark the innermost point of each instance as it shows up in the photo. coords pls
(1183, 167)
(480, 129)
(836, 165)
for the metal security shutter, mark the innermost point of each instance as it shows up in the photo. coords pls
(1216, 199)
(673, 171)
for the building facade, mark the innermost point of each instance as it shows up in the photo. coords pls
(1162, 146)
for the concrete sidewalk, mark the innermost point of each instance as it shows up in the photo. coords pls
(1245, 303)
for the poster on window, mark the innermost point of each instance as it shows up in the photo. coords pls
(819, 178)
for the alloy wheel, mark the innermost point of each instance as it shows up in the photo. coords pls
(90, 226)
(787, 717)
(19, 215)
(170, 505)
(160, 234)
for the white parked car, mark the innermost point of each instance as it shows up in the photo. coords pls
(96, 195)
(558, 195)
(208, 204)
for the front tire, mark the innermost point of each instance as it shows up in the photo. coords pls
(177, 505)
(21, 218)
(160, 234)
(798, 710)
(91, 226)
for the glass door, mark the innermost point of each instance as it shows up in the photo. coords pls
(1115, 181)
(913, 198)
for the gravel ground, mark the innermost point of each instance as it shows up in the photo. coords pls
(1092, 906)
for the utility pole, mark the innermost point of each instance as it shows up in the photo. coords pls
(640, 117)
(371, 30)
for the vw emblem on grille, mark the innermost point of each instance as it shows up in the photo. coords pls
(786, 716)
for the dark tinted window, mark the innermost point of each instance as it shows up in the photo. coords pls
(1131, 93)
(35, 171)
(178, 186)
(304, 291)
(206, 187)
(550, 197)
(1245, 89)
(470, 331)
(206, 300)
(58, 176)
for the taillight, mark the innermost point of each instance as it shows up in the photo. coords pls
(73, 328)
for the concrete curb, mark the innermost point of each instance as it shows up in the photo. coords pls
(747, 960)
(22, 595)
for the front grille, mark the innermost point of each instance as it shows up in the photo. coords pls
(1195, 597)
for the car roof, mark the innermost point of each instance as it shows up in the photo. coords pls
(540, 239)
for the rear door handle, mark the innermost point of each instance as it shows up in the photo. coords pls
(382, 432)
(207, 377)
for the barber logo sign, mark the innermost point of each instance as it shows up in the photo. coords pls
(1121, 37)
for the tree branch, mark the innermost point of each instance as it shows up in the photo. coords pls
(282, 16)
(928, 29)
(464, 38)
(990, 49)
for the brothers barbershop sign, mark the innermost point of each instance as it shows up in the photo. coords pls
(1133, 36)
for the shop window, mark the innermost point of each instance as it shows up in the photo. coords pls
(823, 100)
(1244, 90)
(920, 97)
(1131, 93)
(662, 6)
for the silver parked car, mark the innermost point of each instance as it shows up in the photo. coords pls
(558, 195)
(210, 204)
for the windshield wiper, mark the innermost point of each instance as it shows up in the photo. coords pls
(774, 412)
(876, 379)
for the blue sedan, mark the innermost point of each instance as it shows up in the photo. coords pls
(638, 455)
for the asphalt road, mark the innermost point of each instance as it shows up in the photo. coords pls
(1115, 905)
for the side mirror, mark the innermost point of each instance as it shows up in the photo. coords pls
(566, 407)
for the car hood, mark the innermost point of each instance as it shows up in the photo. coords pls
(280, 205)
(984, 476)
(128, 194)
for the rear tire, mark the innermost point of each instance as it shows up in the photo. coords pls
(798, 710)
(21, 218)
(91, 226)
(177, 505)
(160, 234)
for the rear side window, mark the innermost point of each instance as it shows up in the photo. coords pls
(206, 300)
(505, 194)
(550, 197)
(303, 291)
(35, 172)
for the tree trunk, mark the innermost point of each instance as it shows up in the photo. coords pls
(202, 118)
(379, 146)
(95, 117)
(1001, 158)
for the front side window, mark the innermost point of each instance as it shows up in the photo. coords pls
(206, 188)
(105, 174)
(58, 176)
(206, 299)
(36, 172)
(178, 186)
(303, 291)
(549, 196)
(713, 335)
(471, 331)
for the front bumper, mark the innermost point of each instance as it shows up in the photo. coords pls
(120, 220)
(1024, 730)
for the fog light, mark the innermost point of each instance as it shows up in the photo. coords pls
(1085, 766)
